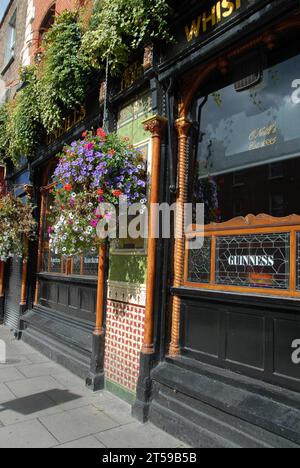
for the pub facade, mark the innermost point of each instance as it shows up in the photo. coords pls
(229, 370)
(200, 332)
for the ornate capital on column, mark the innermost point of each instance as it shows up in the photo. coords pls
(155, 125)
(183, 127)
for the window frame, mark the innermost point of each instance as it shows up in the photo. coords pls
(66, 264)
(250, 225)
(11, 40)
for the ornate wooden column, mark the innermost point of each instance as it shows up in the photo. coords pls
(101, 290)
(24, 282)
(156, 126)
(95, 380)
(40, 245)
(183, 127)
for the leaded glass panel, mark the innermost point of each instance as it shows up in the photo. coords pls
(254, 260)
(199, 263)
(90, 265)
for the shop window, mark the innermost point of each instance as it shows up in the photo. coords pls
(242, 259)
(248, 164)
(85, 265)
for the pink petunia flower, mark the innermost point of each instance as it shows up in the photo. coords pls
(94, 223)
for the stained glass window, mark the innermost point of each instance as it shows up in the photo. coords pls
(199, 263)
(254, 260)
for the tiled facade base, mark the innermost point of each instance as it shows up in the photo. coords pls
(124, 334)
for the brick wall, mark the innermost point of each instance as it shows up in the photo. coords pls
(10, 74)
(42, 7)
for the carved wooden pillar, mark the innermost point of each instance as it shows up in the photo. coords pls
(40, 244)
(183, 126)
(95, 380)
(101, 290)
(156, 126)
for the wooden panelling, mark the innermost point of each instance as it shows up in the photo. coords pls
(242, 336)
(72, 299)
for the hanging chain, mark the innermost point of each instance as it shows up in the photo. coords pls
(105, 110)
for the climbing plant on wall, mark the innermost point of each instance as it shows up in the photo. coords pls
(19, 120)
(72, 50)
(120, 26)
(64, 72)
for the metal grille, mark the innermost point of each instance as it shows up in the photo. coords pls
(261, 260)
(199, 263)
(13, 293)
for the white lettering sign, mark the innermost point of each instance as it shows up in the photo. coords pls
(251, 260)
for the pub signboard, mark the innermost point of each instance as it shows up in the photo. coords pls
(204, 19)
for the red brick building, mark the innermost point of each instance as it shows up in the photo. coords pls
(12, 47)
(44, 13)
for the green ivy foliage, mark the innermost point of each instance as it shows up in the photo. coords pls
(19, 120)
(64, 71)
(4, 118)
(120, 26)
(72, 51)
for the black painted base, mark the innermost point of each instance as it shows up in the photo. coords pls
(208, 407)
(95, 380)
(141, 407)
(19, 330)
(61, 338)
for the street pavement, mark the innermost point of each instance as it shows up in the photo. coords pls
(42, 405)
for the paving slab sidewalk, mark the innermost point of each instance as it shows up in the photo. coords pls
(42, 405)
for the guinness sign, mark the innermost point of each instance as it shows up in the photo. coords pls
(251, 260)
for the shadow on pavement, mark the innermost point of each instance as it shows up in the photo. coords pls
(39, 401)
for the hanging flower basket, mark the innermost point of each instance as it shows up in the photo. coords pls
(92, 172)
(17, 227)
